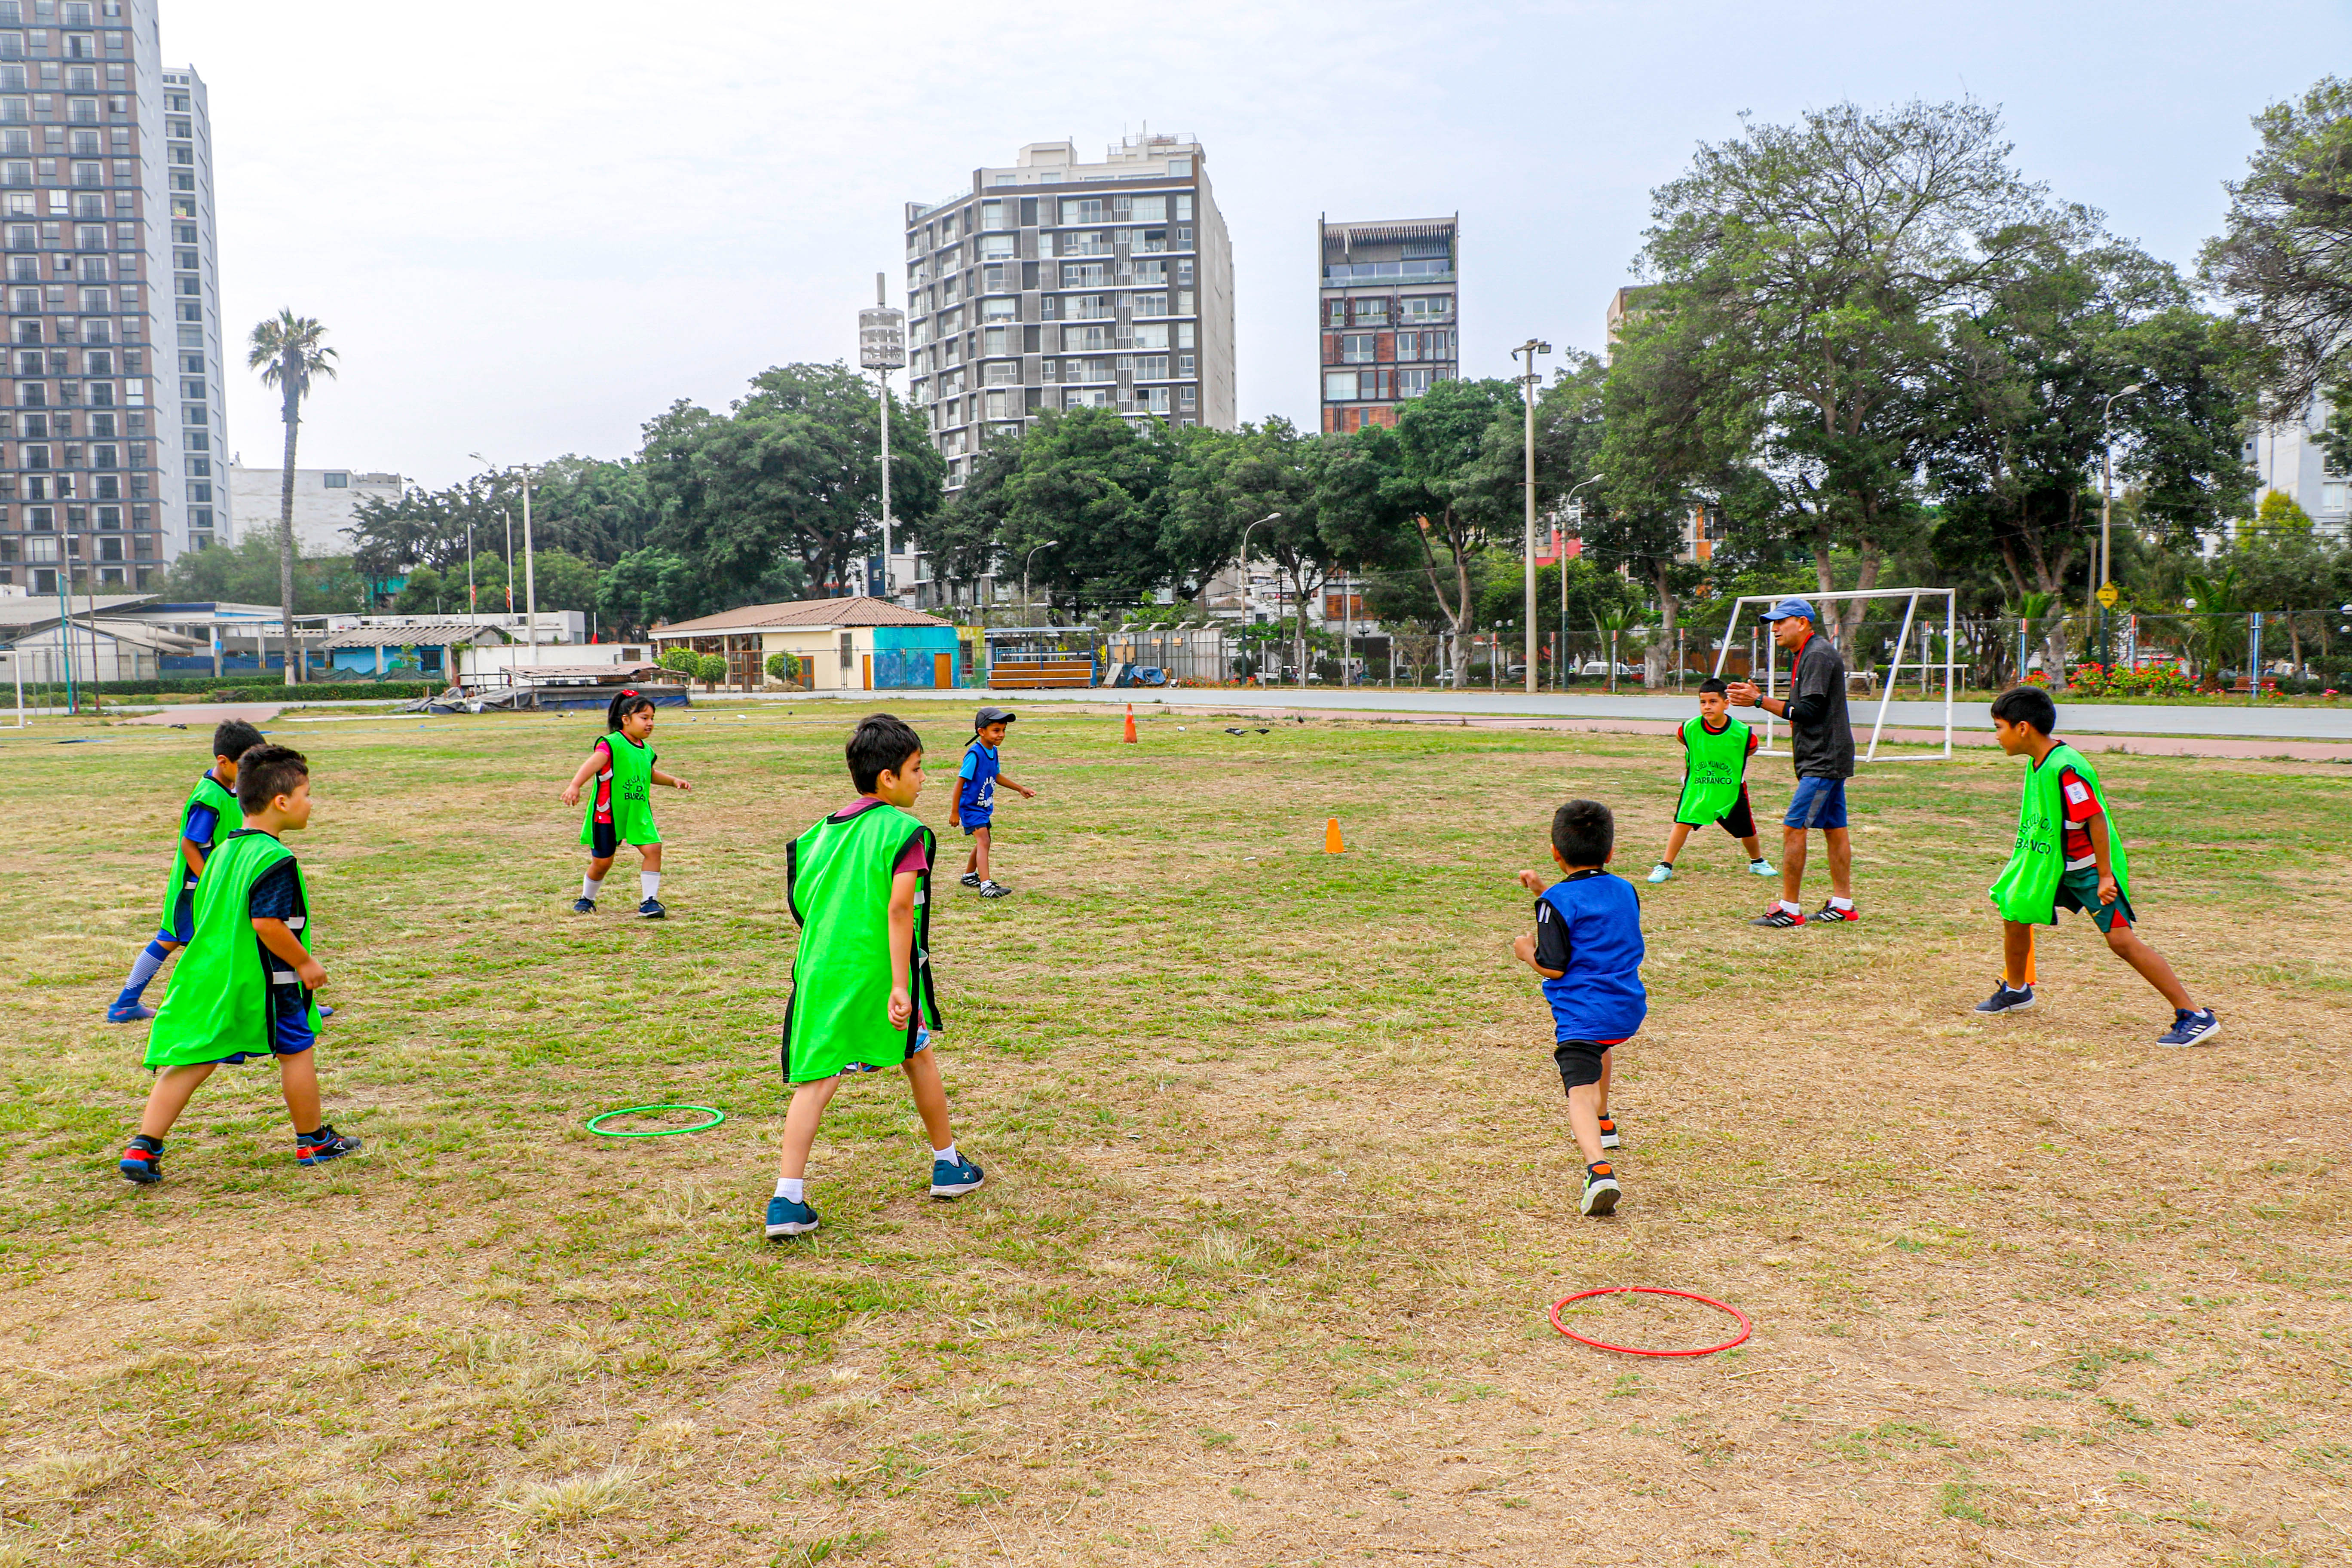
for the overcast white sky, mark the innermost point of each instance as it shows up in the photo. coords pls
(530, 227)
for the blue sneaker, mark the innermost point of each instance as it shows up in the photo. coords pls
(786, 1217)
(325, 1011)
(143, 1162)
(325, 1144)
(133, 1014)
(583, 906)
(2004, 1000)
(1660, 871)
(953, 1178)
(651, 910)
(2190, 1028)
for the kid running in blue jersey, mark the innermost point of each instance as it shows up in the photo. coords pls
(210, 814)
(976, 798)
(1587, 945)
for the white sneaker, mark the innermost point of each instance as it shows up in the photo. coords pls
(1660, 871)
(1761, 869)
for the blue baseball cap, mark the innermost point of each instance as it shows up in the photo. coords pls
(1791, 608)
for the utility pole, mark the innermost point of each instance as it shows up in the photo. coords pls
(882, 348)
(1531, 348)
(2106, 508)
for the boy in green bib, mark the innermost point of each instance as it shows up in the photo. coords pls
(209, 812)
(246, 983)
(622, 811)
(859, 883)
(2067, 856)
(1715, 749)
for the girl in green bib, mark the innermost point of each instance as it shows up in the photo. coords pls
(859, 883)
(2067, 856)
(621, 810)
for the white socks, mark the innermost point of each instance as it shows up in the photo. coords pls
(650, 882)
(1837, 903)
(791, 1187)
(588, 886)
(948, 1153)
(1793, 909)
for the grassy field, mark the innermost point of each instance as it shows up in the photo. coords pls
(1280, 1186)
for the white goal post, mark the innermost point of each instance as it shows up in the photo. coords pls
(1911, 597)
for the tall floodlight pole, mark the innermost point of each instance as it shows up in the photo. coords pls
(2107, 501)
(1531, 348)
(530, 563)
(882, 348)
(1571, 511)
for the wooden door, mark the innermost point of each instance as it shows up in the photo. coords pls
(944, 670)
(869, 672)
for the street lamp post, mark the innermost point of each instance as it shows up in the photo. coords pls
(1571, 511)
(1531, 348)
(1041, 544)
(2107, 505)
(1240, 562)
(882, 348)
(530, 565)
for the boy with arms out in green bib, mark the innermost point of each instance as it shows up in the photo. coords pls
(246, 983)
(210, 812)
(859, 884)
(1715, 749)
(621, 811)
(2068, 857)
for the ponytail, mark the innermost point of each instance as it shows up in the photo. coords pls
(622, 706)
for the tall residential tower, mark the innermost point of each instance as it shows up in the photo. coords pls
(1056, 284)
(110, 414)
(1388, 314)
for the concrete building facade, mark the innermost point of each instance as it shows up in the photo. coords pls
(1056, 284)
(1389, 313)
(110, 415)
(325, 502)
(2289, 459)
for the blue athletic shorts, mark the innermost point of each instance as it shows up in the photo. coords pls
(1818, 803)
(182, 928)
(972, 825)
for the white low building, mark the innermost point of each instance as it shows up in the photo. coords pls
(326, 500)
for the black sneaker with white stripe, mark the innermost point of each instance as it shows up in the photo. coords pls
(2005, 1000)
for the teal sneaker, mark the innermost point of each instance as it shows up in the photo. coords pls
(1660, 871)
(1761, 869)
(786, 1217)
(953, 1178)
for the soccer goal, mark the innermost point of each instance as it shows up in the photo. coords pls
(17, 678)
(1926, 665)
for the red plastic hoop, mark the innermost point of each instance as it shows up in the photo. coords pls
(1746, 1328)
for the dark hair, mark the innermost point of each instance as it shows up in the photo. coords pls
(1713, 683)
(623, 704)
(1583, 832)
(265, 773)
(881, 744)
(234, 737)
(2027, 705)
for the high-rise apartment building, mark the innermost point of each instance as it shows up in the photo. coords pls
(110, 416)
(1388, 313)
(1055, 284)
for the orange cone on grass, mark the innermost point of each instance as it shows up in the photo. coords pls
(1129, 736)
(1331, 845)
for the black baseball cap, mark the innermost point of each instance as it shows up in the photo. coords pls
(987, 716)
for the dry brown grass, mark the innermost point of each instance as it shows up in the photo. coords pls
(1279, 1184)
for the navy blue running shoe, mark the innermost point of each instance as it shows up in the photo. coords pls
(786, 1217)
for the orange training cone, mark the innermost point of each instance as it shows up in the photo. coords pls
(1129, 736)
(2029, 958)
(1331, 845)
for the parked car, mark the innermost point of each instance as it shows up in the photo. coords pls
(1601, 667)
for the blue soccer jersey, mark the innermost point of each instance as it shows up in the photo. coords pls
(976, 783)
(1589, 927)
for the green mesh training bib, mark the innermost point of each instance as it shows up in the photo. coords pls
(1713, 764)
(219, 999)
(209, 792)
(837, 881)
(2027, 889)
(633, 788)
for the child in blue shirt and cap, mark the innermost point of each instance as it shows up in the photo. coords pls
(976, 798)
(1587, 945)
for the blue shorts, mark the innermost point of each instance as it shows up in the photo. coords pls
(182, 928)
(972, 825)
(1818, 803)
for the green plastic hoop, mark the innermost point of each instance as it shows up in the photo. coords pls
(716, 1117)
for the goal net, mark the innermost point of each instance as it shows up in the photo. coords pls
(1904, 653)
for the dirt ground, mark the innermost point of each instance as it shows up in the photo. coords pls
(1280, 1183)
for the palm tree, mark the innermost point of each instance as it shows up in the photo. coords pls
(1613, 624)
(289, 350)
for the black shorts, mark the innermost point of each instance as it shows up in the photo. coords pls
(603, 842)
(1580, 1060)
(1740, 822)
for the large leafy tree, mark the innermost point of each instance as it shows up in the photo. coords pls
(288, 350)
(394, 536)
(1220, 484)
(598, 511)
(788, 475)
(1083, 508)
(1454, 477)
(1807, 269)
(2285, 255)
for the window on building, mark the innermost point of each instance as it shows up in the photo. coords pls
(1085, 274)
(1412, 383)
(1004, 308)
(1371, 311)
(1153, 336)
(343, 481)
(995, 247)
(1429, 308)
(1151, 367)
(1151, 274)
(1082, 209)
(995, 216)
(1338, 386)
(1151, 304)
(1355, 348)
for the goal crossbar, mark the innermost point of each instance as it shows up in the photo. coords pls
(1911, 597)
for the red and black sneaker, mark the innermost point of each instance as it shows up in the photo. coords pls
(1776, 916)
(143, 1162)
(1830, 914)
(325, 1144)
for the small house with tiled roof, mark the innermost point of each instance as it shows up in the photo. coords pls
(851, 643)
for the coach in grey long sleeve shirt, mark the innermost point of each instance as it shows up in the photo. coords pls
(1820, 734)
